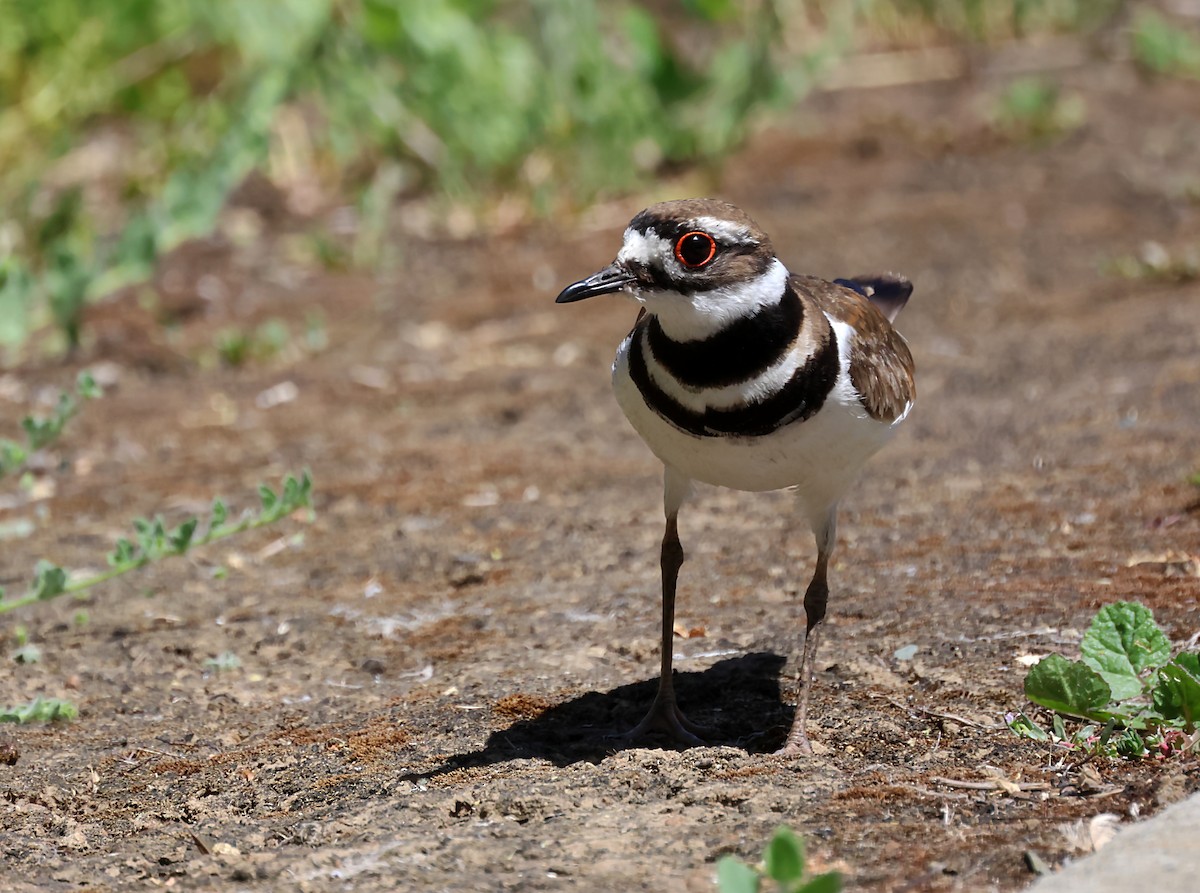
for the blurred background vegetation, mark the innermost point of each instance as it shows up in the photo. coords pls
(126, 126)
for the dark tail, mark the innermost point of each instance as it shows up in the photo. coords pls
(887, 291)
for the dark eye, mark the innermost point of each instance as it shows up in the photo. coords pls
(695, 249)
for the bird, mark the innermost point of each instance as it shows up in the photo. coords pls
(741, 374)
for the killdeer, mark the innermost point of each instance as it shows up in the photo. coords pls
(741, 374)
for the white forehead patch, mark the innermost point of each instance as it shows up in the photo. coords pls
(645, 248)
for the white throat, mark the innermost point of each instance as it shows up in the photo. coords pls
(693, 317)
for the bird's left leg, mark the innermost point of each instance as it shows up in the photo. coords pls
(816, 597)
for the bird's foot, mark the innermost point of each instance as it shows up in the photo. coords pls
(797, 745)
(666, 719)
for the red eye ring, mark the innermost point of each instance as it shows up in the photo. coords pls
(695, 249)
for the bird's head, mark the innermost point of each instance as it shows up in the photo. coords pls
(696, 264)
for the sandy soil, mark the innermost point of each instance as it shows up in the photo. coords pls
(430, 669)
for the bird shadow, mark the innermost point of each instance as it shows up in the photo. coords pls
(738, 699)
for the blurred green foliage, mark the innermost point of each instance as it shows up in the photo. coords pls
(1036, 110)
(124, 126)
(1163, 48)
(984, 20)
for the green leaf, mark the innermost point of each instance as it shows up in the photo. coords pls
(297, 492)
(1129, 744)
(226, 660)
(122, 555)
(12, 456)
(712, 10)
(784, 856)
(1176, 695)
(28, 653)
(143, 531)
(1058, 728)
(151, 537)
(831, 882)
(269, 500)
(49, 580)
(219, 515)
(86, 387)
(1025, 727)
(181, 537)
(1122, 642)
(735, 876)
(1067, 686)
(40, 710)
(16, 301)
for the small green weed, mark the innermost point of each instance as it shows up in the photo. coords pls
(1164, 48)
(16, 301)
(43, 431)
(271, 341)
(994, 20)
(223, 662)
(154, 541)
(26, 651)
(1154, 263)
(783, 863)
(1035, 110)
(265, 342)
(40, 710)
(1135, 696)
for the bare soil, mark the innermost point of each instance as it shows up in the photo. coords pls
(431, 670)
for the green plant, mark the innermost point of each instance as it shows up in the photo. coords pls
(153, 541)
(1145, 698)
(990, 20)
(16, 301)
(1163, 47)
(265, 342)
(1037, 110)
(783, 863)
(42, 431)
(223, 662)
(1154, 262)
(26, 651)
(40, 710)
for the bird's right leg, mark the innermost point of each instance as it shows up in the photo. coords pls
(816, 597)
(664, 715)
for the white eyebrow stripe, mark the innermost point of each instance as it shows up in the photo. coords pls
(724, 230)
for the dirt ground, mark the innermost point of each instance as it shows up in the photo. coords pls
(431, 669)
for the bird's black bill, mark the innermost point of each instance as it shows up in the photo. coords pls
(611, 279)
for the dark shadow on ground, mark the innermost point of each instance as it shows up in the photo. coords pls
(738, 699)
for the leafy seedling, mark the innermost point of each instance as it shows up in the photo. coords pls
(1163, 48)
(783, 863)
(1127, 680)
(40, 710)
(41, 431)
(1035, 110)
(223, 662)
(153, 541)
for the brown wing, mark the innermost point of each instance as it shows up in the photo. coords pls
(881, 365)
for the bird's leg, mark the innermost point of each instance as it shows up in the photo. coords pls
(664, 714)
(816, 597)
